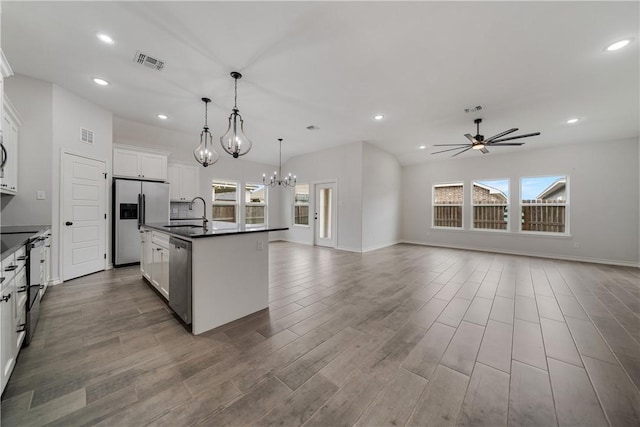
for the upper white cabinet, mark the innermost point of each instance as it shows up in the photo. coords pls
(183, 182)
(10, 128)
(139, 164)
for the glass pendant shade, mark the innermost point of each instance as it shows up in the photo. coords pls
(234, 141)
(204, 153)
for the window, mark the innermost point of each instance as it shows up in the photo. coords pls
(447, 205)
(255, 201)
(544, 204)
(491, 204)
(301, 205)
(225, 201)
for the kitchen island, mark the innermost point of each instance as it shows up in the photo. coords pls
(228, 270)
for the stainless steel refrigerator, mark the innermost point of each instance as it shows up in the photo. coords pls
(136, 203)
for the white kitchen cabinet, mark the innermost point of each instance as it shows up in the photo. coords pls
(7, 324)
(160, 269)
(145, 256)
(20, 309)
(183, 182)
(139, 164)
(46, 271)
(154, 262)
(10, 129)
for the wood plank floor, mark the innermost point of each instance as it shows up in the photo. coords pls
(406, 335)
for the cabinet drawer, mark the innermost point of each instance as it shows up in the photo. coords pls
(20, 330)
(20, 258)
(21, 289)
(8, 271)
(160, 239)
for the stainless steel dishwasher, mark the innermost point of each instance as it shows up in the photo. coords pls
(180, 278)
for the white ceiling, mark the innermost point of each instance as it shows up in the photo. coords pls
(532, 65)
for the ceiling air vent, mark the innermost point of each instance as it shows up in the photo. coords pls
(149, 61)
(86, 136)
(473, 109)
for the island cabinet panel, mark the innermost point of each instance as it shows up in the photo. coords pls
(230, 278)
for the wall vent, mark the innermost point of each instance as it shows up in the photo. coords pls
(148, 61)
(86, 136)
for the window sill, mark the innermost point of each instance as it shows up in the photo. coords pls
(506, 233)
(300, 225)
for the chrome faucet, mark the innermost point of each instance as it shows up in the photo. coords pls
(204, 211)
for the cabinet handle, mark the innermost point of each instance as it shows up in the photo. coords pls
(21, 258)
(22, 327)
(158, 249)
(22, 289)
(68, 223)
(41, 261)
(5, 298)
(11, 268)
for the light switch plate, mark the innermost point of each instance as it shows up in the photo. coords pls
(39, 195)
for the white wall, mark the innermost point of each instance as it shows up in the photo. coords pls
(604, 206)
(70, 113)
(34, 101)
(180, 146)
(381, 198)
(342, 164)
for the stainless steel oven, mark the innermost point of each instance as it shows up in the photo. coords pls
(35, 257)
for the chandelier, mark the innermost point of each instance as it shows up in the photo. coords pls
(204, 153)
(234, 141)
(288, 181)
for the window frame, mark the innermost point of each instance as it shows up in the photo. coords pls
(307, 204)
(566, 205)
(236, 204)
(433, 205)
(252, 204)
(508, 206)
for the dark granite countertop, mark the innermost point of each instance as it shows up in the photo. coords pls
(13, 237)
(194, 229)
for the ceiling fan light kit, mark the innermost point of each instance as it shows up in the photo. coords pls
(478, 142)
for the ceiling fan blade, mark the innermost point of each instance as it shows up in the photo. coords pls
(507, 143)
(460, 152)
(515, 137)
(447, 145)
(450, 149)
(483, 150)
(500, 135)
(470, 138)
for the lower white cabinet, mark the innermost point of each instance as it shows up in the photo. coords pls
(145, 256)
(154, 262)
(7, 327)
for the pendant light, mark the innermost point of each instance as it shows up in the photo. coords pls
(234, 141)
(205, 154)
(288, 181)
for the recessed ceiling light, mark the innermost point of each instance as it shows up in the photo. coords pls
(573, 120)
(100, 82)
(378, 117)
(618, 45)
(162, 116)
(312, 127)
(422, 147)
(105, 38)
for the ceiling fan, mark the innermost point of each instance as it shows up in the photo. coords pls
(479, 143)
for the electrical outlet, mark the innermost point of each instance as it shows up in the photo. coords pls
(40, 195)
(260, 245)
(576, 245)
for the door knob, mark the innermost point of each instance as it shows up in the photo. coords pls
(68, 223)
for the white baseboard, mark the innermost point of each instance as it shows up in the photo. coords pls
(54, 282)
(531, 254)
(375, 248)
(345, 248)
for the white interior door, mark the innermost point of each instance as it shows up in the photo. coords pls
(83, 216)
(325, 214)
